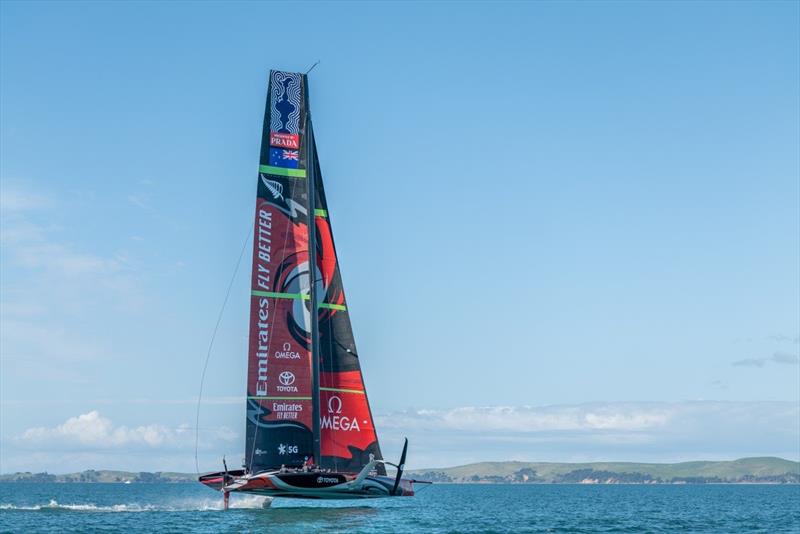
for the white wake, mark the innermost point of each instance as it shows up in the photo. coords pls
(245, 502)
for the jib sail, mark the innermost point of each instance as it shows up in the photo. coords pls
(348, 436)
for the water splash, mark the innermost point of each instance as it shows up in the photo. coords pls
(88, 507)
(249, 502)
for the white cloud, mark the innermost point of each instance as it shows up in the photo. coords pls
(780, 357)
(523, 419)
(93, 441)
(14, 200)
(92, 430)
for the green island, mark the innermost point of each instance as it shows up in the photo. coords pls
(765, 470)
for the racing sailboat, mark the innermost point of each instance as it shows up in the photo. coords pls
(310, 432)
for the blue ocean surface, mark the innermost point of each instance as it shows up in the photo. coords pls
(440, 508)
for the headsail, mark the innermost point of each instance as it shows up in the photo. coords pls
(280, 410)
(348, 431)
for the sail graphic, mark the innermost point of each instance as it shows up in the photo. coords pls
(279, 381)
(348, 436)
(281, 384)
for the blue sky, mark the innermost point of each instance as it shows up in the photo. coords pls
(586, 214)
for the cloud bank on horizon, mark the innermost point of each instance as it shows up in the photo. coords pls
(92, 430)
(620, 431)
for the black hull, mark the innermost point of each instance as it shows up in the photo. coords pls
(307, 485)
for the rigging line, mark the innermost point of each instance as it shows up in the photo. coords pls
(211, 346)
(312, 67)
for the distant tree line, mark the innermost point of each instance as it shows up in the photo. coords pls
(592, 476)
(30, 477)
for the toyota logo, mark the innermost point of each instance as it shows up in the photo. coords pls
(286, 378)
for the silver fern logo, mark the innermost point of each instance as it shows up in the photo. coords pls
(276, 188)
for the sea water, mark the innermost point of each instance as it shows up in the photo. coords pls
(440, 508)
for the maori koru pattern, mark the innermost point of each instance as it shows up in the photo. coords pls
(286, 100)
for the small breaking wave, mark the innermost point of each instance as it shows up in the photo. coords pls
(248, 502)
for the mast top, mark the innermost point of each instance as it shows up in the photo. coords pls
(312, 67)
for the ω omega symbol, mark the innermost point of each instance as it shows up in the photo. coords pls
(286, 378)
(334, 405)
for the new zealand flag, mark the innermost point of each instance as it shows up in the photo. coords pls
(281, 157)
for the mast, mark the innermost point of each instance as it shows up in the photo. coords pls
(312, 272)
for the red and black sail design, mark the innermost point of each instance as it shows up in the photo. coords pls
(280, 407)
(348, 437)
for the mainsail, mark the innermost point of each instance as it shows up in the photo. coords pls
(281, 385)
